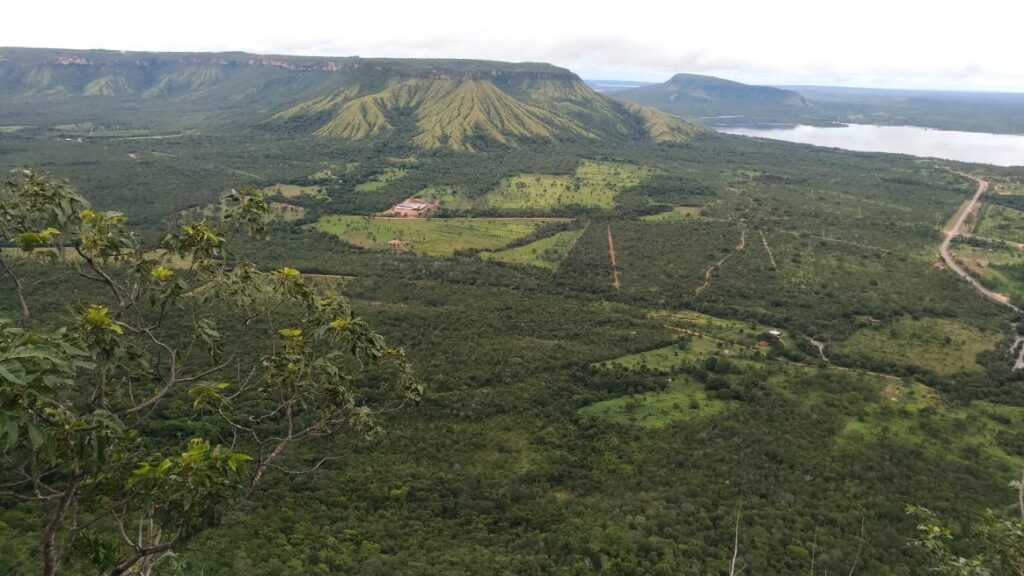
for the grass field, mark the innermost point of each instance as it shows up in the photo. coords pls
(294, 191)
(682, 400)
(915, 414)
(1007, 186)
(677, 213)
(943, 346)
(594, 184)
(286, 212)
(999, 268)
(450, 197)
(1002, 223)
(734, 331)
(433, 236)
(381, 180)
(668, 358)
(546, 252)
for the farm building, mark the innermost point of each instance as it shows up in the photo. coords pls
(412, 207)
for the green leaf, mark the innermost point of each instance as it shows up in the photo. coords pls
(11, 431)
(35, 436)
(7, 374)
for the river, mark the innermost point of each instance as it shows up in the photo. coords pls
(997, 149)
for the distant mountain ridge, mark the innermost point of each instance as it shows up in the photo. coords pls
(456, 104)
(694, 96)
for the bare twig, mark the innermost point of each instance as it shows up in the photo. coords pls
(106, 279)
(19, 289)
(141, 553)
(172, 376)
(315, 467)
(51, 553)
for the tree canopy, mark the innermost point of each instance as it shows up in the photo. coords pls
(258, 362)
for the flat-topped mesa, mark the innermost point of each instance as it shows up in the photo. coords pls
(462, 105)
(694, 96)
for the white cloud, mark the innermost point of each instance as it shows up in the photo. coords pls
(872, 42)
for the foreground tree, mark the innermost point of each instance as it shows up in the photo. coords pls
(79, 403)
(1001, 540)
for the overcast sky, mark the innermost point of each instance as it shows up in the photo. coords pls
(884, 43)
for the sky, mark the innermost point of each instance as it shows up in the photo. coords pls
(873, 43)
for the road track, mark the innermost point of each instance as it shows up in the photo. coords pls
(615, 267)
(954, 231)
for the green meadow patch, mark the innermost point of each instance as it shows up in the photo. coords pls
(738, 332)
(677, 213)
(594, 184)
(432, 236)
(286, 212)
(295, 191)
(1001, 222)
(668, 358)
(681, 400)
(942, 346)
(1000, 268)
(381, 180)
(915, 414)
(547, 252)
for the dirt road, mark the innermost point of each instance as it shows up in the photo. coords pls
(615, 267)
(954, 231)
(707, 273)
(768, 250)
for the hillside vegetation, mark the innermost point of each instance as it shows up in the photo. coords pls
(696, 96)
(625, 344)
(450, 104)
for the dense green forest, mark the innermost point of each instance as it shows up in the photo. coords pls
(581, 413)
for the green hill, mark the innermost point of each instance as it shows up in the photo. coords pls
(695, 96)
(456, 104)
(465, 109)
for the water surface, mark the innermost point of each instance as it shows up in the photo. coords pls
(997, 149)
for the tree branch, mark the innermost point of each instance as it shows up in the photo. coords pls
(19, 289)
(172, 377)
(51, 556)
(141, 553)
(106, 279)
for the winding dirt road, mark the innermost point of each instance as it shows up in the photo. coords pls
(708, 272)
(954, 231)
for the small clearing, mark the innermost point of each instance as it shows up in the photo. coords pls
(942, 346)
(707, 274)
(295, 191)
(677, 213)
(547, 252)
(432, 236)
(379, 181)
(682, 400)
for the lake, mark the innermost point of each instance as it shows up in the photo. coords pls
(997, 149)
